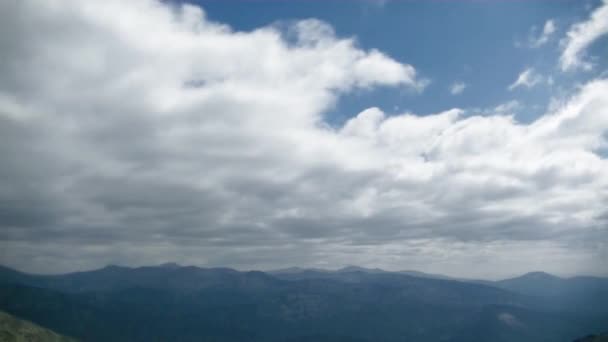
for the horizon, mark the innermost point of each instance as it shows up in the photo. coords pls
(289, 268)
(462, 138)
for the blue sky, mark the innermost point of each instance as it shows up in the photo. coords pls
(428, 135)
(485, 44)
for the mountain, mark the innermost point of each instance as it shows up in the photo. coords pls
(593, 338)
(300, 273)
(535, 283)
(428, 275)
(13, 329)
(296, 270)
(352, 268)
(111, 278)
(180, 303)
(352, 273)
(575, 294)
(544, 284)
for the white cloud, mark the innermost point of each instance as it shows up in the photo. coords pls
(548, 31)
(457, 88)
(549, 28)
(136, 133)
(582, 35)
(507, 107)
(527, 78)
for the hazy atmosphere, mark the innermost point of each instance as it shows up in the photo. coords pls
(470, 141)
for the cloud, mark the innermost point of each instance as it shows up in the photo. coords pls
(582, 35)
(507, 107)
(457, 88)
(527, 78)
(141, 132)
(548, 31)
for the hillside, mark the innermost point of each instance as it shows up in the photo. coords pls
(593, 338)
(13, 329)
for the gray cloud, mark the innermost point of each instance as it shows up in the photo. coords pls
(109, 158)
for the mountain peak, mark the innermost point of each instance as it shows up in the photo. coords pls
(113, 267)
(353, 268)
(539, 275)
(294, 269)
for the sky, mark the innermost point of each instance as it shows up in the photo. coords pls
(468, 138)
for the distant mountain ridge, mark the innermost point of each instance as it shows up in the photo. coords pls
(188, 303)
(353, 268)
(531, 276)
(545, 284)
(118, 277)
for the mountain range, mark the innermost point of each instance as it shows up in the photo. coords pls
(187, 303)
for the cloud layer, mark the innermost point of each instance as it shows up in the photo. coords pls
(140, 132)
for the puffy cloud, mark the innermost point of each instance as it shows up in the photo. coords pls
(527, 78)
(457, 88)
(140, 132)
(548, 29)
(582, 35)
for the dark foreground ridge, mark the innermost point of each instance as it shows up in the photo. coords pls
(13, 329)
(593, 338)
(185, 303)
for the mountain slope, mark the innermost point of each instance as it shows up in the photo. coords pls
(576, 294)
(593, 338)
(13, 329)
(544, 284)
